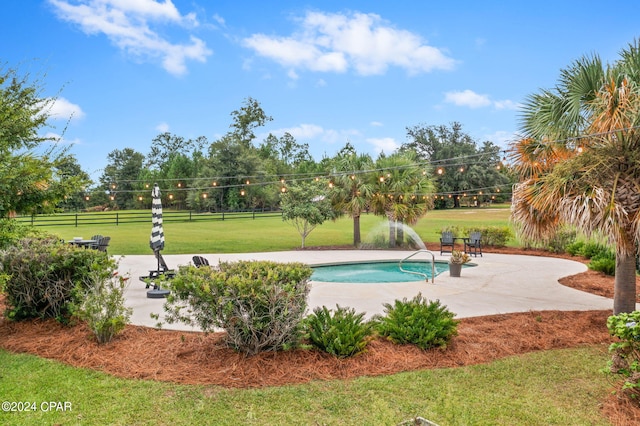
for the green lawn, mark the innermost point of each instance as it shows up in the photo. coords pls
(559, 387)
(268, 233)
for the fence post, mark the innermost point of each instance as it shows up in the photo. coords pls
(76, 220)
(117, 219)
(33, 218)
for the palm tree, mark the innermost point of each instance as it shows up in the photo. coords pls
(579, 161)
(351, 190)
(402, 192)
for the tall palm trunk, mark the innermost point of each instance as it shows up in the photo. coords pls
(356, 230)
(624, 299)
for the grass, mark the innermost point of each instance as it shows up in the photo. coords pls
(552, 387)
(268, 233)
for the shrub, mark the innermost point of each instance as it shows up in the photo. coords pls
(342, 332)
(419, 322)
(625, 360)
(575, 248)
(42, 278)
(259, 304)
(12, 231)
(561, 239)
(592, 249)
(103, 306)
(604, 262)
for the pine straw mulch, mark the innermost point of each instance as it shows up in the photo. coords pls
(196, 358)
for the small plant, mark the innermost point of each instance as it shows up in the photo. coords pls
(103, 306)
(419, 322)
(625, 360)
(342, 332)
(604, 262)
(459, 257)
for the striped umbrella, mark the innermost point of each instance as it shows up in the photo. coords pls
(157, 233)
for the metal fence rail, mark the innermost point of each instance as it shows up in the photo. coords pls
(124, 217)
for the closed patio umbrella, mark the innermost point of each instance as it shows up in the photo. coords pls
(156, 242)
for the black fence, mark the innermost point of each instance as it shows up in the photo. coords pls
(124, 217)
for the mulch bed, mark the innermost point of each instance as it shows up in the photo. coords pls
(196, 358)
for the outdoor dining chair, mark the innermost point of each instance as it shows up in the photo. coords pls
(200, 261)
(473, 244)
(446, 241)
(103, 243)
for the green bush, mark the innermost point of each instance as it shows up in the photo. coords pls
(419, 322)
(103, 306)
(12, 231)
(342, 332)
(43, 278)
(575, 248)
(604, 261)
(561, 240)
(259, 304)
(625, 360)
(592, 249)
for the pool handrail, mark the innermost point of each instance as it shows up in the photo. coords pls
(433, 265)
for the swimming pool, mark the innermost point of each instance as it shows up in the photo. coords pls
(375, 272)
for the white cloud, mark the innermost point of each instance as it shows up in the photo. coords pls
(57, 139)
(62, 109)
(471, 99)
(376, 124)
(338, 42)
(506, 104)
(306, 133)
(467, 98)
(162, 127)
(128, 24)
(501, 138)
(386, 145)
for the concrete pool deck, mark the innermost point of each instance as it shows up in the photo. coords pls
(499, 284)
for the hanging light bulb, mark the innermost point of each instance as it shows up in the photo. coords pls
(140, 198)
(242, 192)
(204, 195)
(248, 182)
(171, 196)
(283, 189)
(381, 178)
(461, 169)
(440, 170)
(214, 183)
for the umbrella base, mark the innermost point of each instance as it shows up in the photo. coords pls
(157, 293)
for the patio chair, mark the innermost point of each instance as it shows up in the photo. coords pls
(97, 239)
(473, 244)
(200, 261)
(163, 269)
(103, 243)
(446, 241)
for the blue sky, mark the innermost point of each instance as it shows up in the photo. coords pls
(328, 72)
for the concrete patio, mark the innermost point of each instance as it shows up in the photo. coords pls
(498, 284)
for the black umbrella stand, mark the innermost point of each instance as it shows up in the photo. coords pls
(157, 292)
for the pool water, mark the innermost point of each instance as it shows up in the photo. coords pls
(375, 272)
